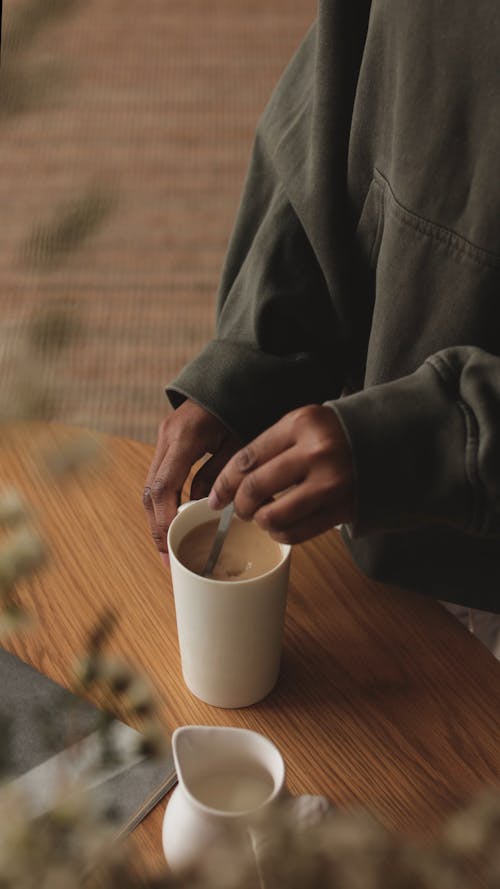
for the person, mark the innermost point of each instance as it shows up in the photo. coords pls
(355, 370)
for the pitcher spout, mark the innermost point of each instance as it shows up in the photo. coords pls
(227, 770)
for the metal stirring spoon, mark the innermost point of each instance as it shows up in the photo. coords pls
(220, 536)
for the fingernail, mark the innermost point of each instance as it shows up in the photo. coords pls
(213, 500)
(165, 559)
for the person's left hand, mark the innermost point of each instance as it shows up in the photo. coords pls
(306, 459)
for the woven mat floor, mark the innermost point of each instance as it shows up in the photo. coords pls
(161, 106)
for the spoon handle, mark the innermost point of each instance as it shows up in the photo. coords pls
(220, 536)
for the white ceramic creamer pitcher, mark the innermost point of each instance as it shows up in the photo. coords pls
(226, 775)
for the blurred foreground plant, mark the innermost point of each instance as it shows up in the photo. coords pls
(51, 243)
(27, 19)
(25, 83)
(28, 365)
(73, 846)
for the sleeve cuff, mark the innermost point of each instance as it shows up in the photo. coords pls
(409, 440)
(249, 389)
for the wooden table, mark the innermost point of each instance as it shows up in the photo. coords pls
(383, 697)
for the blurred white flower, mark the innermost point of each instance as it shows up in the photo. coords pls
(13, 508)
(21, 554)
(71, 456)
(117, 674)
(140, 696)
(14, 620)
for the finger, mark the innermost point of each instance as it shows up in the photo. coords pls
(206, 475)
(273, 441)
(307, 527)
(259, 486)
(161, 504)
(304, 500)
(167, 486)
(157, 535)
(159, 456)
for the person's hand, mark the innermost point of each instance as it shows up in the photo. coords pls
(306, 459)
(184, 437)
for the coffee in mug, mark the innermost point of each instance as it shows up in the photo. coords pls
(248, 551)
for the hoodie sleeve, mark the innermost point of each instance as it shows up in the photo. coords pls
(273, 349)
(426, 447)
(281, 329)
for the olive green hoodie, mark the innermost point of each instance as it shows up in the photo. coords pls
(364, 273)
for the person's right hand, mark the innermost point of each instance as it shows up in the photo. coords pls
(184, 437)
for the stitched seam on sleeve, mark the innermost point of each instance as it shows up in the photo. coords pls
(455, 242)
(380, 222)
(449, 375)
(471, 468)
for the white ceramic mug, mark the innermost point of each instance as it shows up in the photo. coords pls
(230, 632)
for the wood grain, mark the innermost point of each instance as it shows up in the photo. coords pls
(383, 699)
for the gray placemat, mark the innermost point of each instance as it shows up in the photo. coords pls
(40, 722)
